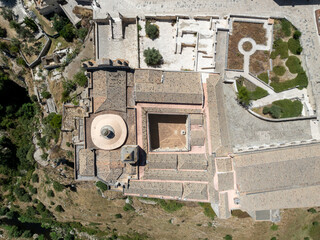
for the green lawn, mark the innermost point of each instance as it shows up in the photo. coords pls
(258, 93)
(284, 109)
(264, 77)
(280, 48)
(294, 46)
(45, 23)
(301, 81)
(279, 70)
(294, 64)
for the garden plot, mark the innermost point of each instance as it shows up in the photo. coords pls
(287, 69)
(240, 30)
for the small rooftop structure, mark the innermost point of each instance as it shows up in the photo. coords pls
(108, 131)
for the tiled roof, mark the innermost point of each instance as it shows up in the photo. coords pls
(168, 87)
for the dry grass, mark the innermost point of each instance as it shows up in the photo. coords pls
(44, 22)
(11, 33)
(287, 75)
(259, 62)
(31, 58)
(243, 30)
(247, 46)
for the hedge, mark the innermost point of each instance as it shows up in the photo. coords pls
(294, 46)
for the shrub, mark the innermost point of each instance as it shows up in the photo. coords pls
(264, 77)
(3, 32)
(58, 186)
(27, 234)
(294, 64)
(4, 211)
(284, 109)
(208, 211)
(294, 46)
(296, 34)
(7, 14)
(274, 111)
(33, 190)
(40, 207)
(35, 178)
(170, 205)
(15, 232)
(118, 215)
(20, 61)
(103, 187)
(152, 56)
(139, 27)
(286, 27)
(274, 227)
(312, 210)
(59, 208)
(50, 193)
(128, 207)
(81, 79)
(46, 94)
(152, 30)
(228, 237)
(279, 70)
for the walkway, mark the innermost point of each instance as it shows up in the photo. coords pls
(290, 94)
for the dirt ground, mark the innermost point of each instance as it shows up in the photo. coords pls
(87, 52)
(259, 62)
(11, 33)
(242, 30)
(287, 75)
(91, 209)
(165, 131)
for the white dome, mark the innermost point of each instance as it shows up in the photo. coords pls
(113, 123)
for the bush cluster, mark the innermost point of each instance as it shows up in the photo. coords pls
(279, 70)
(152, 30)
(103, 187)
(152, 56)
(294, 46)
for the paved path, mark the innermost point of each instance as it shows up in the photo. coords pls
(258, 83)
(290, 94)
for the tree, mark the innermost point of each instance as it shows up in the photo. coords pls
(50, 193)
(3, 32)
(152, 56)
(68, 32)
(82, 33)
(59, 208)
(152, 30)
(7, 14)
(59, 22)
(46, 94)
(243, 96)
(31, 24)
(58, 186)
